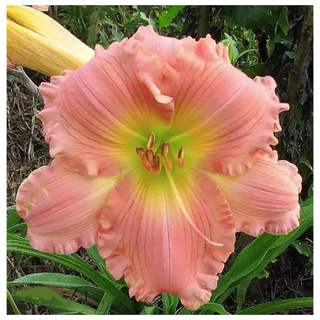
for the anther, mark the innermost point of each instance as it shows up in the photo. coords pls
(165, 149)
(151, 140)
(157, 163)
(180, 160)
(139, 151)
(164, 153)
(150, 155)
(181, 153)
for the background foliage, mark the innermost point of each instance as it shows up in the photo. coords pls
(271, 274)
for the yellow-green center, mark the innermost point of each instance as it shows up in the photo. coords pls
(154, 155)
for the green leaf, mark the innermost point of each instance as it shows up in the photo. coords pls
(117, 35)
(270, 46)
(286, 41)
(275, 306)
(184, 311)
(13, 304)
(170, 303)
(241, 295)
(20, 226)
(111, 12)
(264, 274)
(310, 191)
(256, 256)
(290, 54)
(180, 26)
(95, 19)
(283, 20)
(51, 299)
(306, 162)
(147, 310)
(257, 70)
(148, 20)
(19, 245)
(101, 264)
(232, 45)
(105, 304)
(166, 17)
(56, 280)
(254, 17)
(243, 53)
(215, 307)
(13, 217)
(302, 248)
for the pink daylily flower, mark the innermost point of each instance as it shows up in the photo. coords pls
(162, 152)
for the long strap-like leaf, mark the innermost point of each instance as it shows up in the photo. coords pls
(275, 306)
(19, 245)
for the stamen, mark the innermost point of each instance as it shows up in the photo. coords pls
(150, 156)
(180, 160)
(157, 163)
(146, 163)
(151, 140)
(139, 151)
(186, 214)
(181, 153)
(165, 149)
(168, 164)
(164, 153)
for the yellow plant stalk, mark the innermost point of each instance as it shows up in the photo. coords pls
(36, 41)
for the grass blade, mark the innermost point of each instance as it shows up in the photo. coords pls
(215, 307)
(101, 264)
(19, 226)
(275, 306)
(19, 245)
(56, 280)
(13, 304)
(241, 295)
(255, 257)
(49, 298)
(170, 303)
(105, 304)
(13, 217)
(148, 310)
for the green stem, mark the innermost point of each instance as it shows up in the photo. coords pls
(13, 304)
(203, 25)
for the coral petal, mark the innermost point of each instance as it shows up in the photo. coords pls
(61, 208)
(92, 115)
(144, 223)
(223, 116)
(265, 198)
(162, 46)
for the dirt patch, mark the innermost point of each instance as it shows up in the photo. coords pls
(26, 148)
